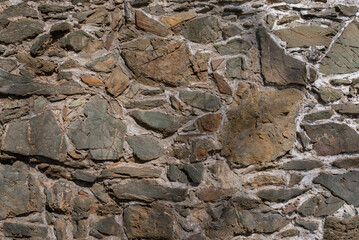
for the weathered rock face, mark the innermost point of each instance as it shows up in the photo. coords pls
(20, 30)
(261, 126)
(337, 228)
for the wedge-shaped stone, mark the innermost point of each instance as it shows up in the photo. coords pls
(150, 25)
(126, 170)
(145, 147)
(20, 30)
(280, 195)
(201, 100)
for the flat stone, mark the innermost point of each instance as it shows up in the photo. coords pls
(344, 186)
(213, 194)
(174, 174)
(302, 165)
(40, 136)
(346, 163)
(154, 222)
(117, 82)
(309, 225)
(108, 226)
(333, 138)
(159, 122)
(199, 30)
(277, 67)
(138, 44)
(347, 10)
(140, 3)
(200, 100)
(350, 109)
(194, 172)
(306, 35)
(25, 230)
(40, 44)
(280, 195)
(146, 190)
(320, 206)
(8, 64)
(177, 18)
(52, 8)
(236, 68)
(150, 25)
(209, 122)
(103, 64)
(223, 86)
(249, 137)
(328, 94)
(145, 147)
(145, 104)
(265, 180)
(233, 47)
(100, 133)
(75, 41)
(20, 30)
(92, 80)
(126, 170)
(343, 56)
(341, 228)
(59, 196)
(312, 117)
(19, 10)
(99, 16)
(23, 197)
(60, 29)
(84, 176)
(36, 65)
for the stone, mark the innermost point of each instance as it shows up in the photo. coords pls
(279, 68)
(75, 41)
(145, 104)
(52, 8)
(177, 18)
(108, 226)
(59, 197)
(169, 64)
(302, 165)
(20, 30)
(311, 226)
(126, 170)
(159, 122)
(201, 148)
(209, 122)
(25, 230)
(99, 16)
(40, 45)
(346, 163)
(328, 94)
(8, 64)
(199, 30)
(19, 10)
(100, 133)
(82, 204)
(332, 138)
(343, 56)
(117, 82)
(201, 100)
(349, 109)
(320, 206)
(41, 136)
(84, 176)
(212, 193)
(60, 229)
(341, 228)
(146, 190)
(150, 25)
(24, 195)
(344, 186)
(145, 147)
(236, 68)
(349, 11)
(140, 3)
(103, 64)
(222, 85)
(306, 35)
(233, 47)
(194, 172)
(92, 80)
(60, 29)
(261, 125)
(36, 65)
(265, 180)
(174, 174)
(280, 195)
(289, 233)
(312, 117)
(230, 30)
(138, 44)
(153, 222)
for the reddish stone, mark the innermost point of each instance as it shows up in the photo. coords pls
(210, 122)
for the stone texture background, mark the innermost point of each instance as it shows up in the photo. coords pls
(179, 119)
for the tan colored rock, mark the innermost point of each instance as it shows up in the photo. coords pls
(177, 18)
(117, 82)
(150, 25)
(265, 180)
(222, 85)
(92, 80)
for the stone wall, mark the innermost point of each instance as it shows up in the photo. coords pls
(179, 119)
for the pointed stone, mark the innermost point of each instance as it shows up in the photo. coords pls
(150, 25)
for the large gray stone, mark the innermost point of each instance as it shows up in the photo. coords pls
(145, 147)
(25, 230)
(280, 195)
(200, 100)
(75, 41)
(108, 226)
(20, 30)
(350, 109)
(100, 133)
(236, 68)
(319, 206)
(302, 165)
(19, 10)
(233, 47)
(126, 170)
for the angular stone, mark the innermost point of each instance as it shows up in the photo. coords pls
(194, 172)
(92, 80)
(117, 82)
(145, 104)
(201, 148)
(20, 193)
(209, 122)
(344, 186)
(59, 30)
(277, 67)
(200, 100)
(103, 64)
(280, 195)
(19, 10)
(82, 204)
(84, 176)
(125, 170)
(40, 136)
(302, 165)
(100, 16)
(36, 65)
(333, 138)
(339, 228)
(20, 30)
(233, 47)
(343, 56)
(75, 41)
(150, 25)
(59, 197)
(177, 18)
(169, 64)
(350, 109)
(261, 126)
(52, 8)
(346, 163)
(155, 222)
(236, 68)
(174, 174)
(328, 94)
(347, 10)
(320, 206)
(200, 30)
(265, 180)
(311, 226)
(100, 133)
(40, 44)
(108, 226)
(306, 35)
(8, 64)
(139, 3)
(145, 147)
(138, 44)
(159, 122)
(312, 117)
(212, 193)
(25, 230)
(146, 190)
(222, 85)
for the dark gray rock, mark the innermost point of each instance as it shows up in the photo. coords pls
(125, 170)
(311, 226)
(350, 109)
(341, 228)
(25, 230)
(320, 206)
(346, 163)
(84, 176)
(40, 44)
(200, 100)
(174, 174)
(108, 226)
(326, 114)
(19, 10)
(302, 165)
(194, 172)
(280, 195)
(59, 197)
(145, 147)
(75, 41)
(20, 30)
(52, 8)
(60, 29)
(344, 185)
(236, 68)
(233, 47)
(146, 190)
(100, 133)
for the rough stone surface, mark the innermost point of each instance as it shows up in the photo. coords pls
(146, 148)
(20, 30)
(200, 100)
(150, 25)
(117, 82)
(338, 228)
(319, 206)
(302, 165)
(280, 195)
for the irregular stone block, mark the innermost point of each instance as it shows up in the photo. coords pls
(200, 100)
(233, 47)
(350, 109)
(20, 30)
(126, 170)
(339, 228)
(280, 195)
(25, 230)
(59, 197)
(320, 206)
(302, 165)
(177, 18)
(117, 82)
(150, 25)
(145, 147)
(103, 64)
(75, 41)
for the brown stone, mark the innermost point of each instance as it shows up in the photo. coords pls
(265, 180)
(211, 193)
(261, 125)
(117, 82)
(150, 25)
(177, 18)
(350, 109)
(201, 148)
(92, 80)
(340, 229)
(222, 85)
(347, 163)
(209, 122)
(38, 66)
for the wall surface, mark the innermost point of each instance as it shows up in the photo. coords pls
(179, 119)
